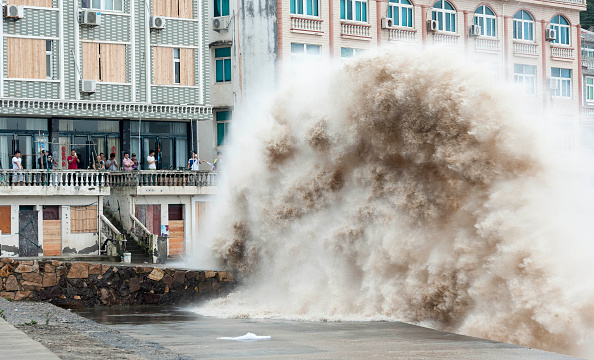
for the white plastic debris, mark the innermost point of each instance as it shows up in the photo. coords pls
(247, 337)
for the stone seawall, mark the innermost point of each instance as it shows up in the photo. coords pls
(83, 284)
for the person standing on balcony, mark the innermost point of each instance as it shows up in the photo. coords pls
(17, 165)
(134, 162)
(112, 163)
(127, 162)
(194, 162)
(42, 161)
(99, 164)
(152, 163)
(73, 160)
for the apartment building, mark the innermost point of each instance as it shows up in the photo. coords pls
(534, 44)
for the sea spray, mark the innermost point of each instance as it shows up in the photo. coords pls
(404, 186)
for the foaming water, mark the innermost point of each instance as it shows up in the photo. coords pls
(403, 186)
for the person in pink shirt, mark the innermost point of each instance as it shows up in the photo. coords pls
(127, 162)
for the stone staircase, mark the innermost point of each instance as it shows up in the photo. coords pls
(139, 255)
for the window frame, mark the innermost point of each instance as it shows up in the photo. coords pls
(562, 29)
(306, 6)
(221, 7)
(177, 66)
(363, 10)
(49, 59)
(303, 56)
(483, 18)
(564, 84)
(225, 123)
(523, 23)
(443, 15)
(520, 79)
(396, 12)
(224, 60)
(589, 89)
(90, 5)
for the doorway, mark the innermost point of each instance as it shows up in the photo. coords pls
(28, 231)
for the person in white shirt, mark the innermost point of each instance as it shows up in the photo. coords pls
(17, 165)
(152, 163)
(194, 162)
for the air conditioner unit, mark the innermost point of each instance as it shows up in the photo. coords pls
(474, 30)
(553, 84)
(432, 25)
(157, 22)
(220, 23)
(90, 18)
(87, 86)
(551, 34)
(14, 11)
(387, 23)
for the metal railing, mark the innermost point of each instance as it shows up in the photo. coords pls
(163, 178)
(27, 177)
(306, 24)
(144, 236)
(402, 35)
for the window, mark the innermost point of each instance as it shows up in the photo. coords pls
(26, 58)
(353, 10)
(589, 89)
(525, 78)
(49, 59)
(221, 8)
(346, 53)
(104, 62)
(223, 64)
(588, 51)
(176, 68)
(116, 5)
(445, 15)
(561, 82)
(83, 219)
(173, 66)
(523, 26)
(561, 24)
(485, 18)
(401, 12)
(305, 52)
(175, 8)
(305, 7)
(223, 121)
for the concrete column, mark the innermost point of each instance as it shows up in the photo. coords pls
(331, 27)
(424, 22)
(379, 21)
(54, 138)
(546, 94)
(506, 46)
(579, 66)
(125, 135)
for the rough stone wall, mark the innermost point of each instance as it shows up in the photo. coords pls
(83, 284)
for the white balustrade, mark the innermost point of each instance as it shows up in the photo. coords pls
(164, 178)
(588, 112)
(355, 30)
(525, 49)
(561, 52)
(588, 64)
(445, 39)
(77, 178)
(306, 24)
(487, 44)
(402, 35)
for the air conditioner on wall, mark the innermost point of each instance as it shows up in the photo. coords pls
(387, 23)
(551, 34)
(14, 12)
(87, 86)
(157, 22)
(431, 25)
(220, 23)
(474, 30)
(90, 18)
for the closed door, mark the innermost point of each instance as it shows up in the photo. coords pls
(150, 217)
(176, 229)
(52, 231)
(28, 231)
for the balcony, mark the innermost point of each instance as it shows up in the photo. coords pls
(486, 44)
(164, 182)
(306, 25)
(445, 39)
(402, 35)
(525, 49)
(587, 64)
(356, 31)
(562, 53)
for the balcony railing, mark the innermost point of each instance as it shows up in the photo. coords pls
(445, 39)
(525, 49)
(487, 44)
(402, 35)
(561, 52)
(306, 24)
(163, 178)
(358, 30)
(88, 178)
(588, 64)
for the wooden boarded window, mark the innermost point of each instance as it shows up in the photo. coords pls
(176, 229)
(5, 219)
(26, 58)
(173, 8)
(164, 70)
(104, 62)
(52, 231)
(39, 3)
(83, 219)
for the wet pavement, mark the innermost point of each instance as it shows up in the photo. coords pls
(195, 336)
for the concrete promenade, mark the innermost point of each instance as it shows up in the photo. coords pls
(16, 345)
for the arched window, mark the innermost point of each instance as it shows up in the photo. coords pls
(523, 26)
(401, 12)
(561, 24)
(485, 18)
(445, 15)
